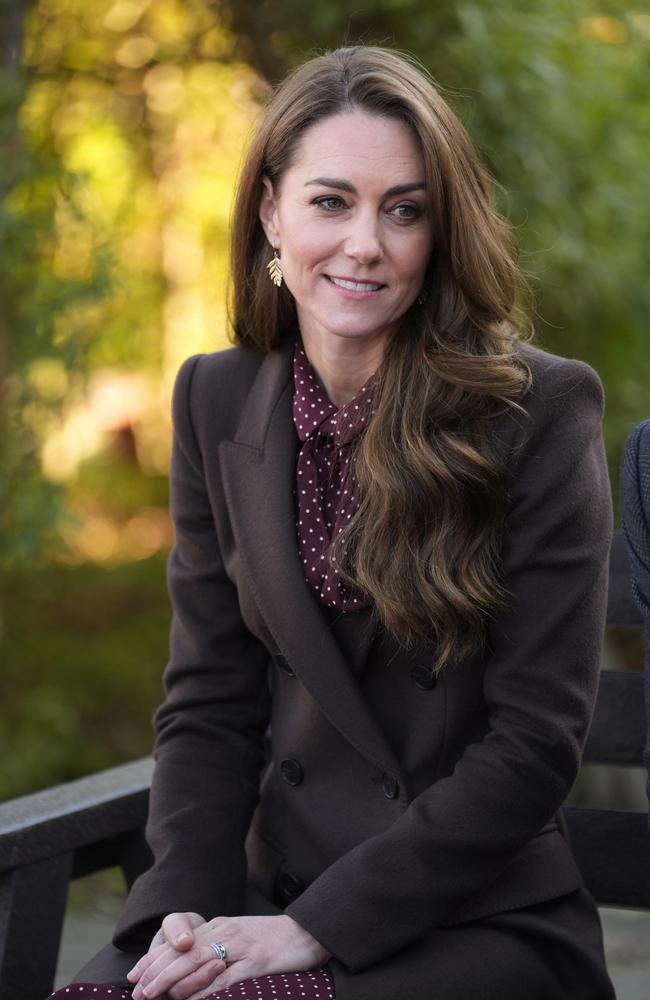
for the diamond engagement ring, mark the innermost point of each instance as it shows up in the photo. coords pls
(219, 949)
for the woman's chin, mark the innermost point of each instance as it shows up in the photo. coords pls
(365, 332)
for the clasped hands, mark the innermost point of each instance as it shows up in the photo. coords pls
(181, 965)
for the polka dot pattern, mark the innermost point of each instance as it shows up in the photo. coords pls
(317, 985)
(326, 486)
(99, 992)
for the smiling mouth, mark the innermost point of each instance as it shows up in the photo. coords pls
(355, 286)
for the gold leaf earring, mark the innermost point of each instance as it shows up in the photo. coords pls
(274, 268)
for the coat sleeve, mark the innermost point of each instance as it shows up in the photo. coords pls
(540, 683)
(210, 729)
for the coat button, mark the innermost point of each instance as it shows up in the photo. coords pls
(423, 677)
(291, 770)
(289, 886)
(282, 662)
(390, 786)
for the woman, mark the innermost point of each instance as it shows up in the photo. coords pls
(392, 522)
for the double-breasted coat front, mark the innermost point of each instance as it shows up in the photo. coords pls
(306, 762)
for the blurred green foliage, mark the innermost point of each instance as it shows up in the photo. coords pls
(34, 185)
(122, 124)
(83, 653)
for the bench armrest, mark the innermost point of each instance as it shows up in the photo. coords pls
(49, 838)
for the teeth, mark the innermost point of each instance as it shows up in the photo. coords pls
(356, 286)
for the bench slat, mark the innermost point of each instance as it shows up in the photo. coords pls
(73, 815)
(32, 907)
(612, 849)
(130, 852)
(618, 728)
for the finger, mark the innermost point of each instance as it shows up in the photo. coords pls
(155, 962)
(198, 981)
(146, 962)
(178, 931)
(186, 964)
(157, 939)
(235, 973)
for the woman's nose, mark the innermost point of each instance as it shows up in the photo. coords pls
(363, 240)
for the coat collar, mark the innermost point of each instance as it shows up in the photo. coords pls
(258, 470)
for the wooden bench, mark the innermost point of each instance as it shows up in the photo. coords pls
(63, 833)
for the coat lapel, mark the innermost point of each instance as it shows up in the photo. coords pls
(258, 470)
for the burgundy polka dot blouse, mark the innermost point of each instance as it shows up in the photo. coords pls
(317, 985)
(326, 491)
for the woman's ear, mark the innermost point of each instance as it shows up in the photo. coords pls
(268, 213)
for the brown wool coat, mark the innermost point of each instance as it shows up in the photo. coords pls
(394, 803)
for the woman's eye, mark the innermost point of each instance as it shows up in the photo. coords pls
(404, 212)
(407, 213)
(330, 203)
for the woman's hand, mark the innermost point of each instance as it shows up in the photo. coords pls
(255, 946)
(177, 929)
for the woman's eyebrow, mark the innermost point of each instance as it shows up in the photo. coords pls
(340, 185)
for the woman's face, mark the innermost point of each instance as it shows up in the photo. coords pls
(350, 222)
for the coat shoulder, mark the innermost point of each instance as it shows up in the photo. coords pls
(563, 406)
(211, 388)
(220, 376)
(554, 378)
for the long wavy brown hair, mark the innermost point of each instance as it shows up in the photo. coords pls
(425, 542)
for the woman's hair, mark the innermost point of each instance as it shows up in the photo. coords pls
(425, 542)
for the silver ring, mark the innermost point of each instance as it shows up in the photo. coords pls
(219, 949)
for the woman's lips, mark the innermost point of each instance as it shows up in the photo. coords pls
(355, 289)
